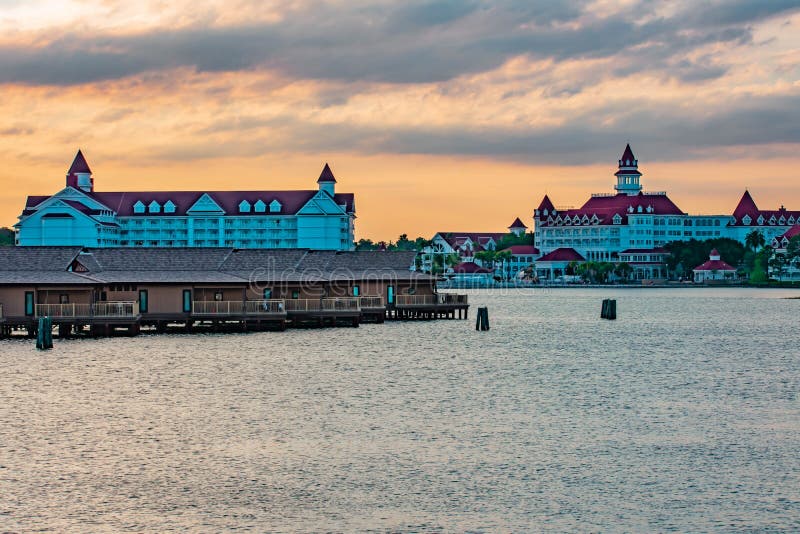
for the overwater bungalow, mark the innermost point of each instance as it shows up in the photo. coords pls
(109, 290)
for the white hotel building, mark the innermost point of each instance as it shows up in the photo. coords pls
(631, 225)
(319, 219)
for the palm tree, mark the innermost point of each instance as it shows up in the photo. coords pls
(754, 240)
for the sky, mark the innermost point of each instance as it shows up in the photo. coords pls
(440, 115)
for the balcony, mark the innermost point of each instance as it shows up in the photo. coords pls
(370, 302)
(98, 310)
(326, 305)
(441, 299)
(239, 308)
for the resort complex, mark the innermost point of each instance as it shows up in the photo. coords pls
(628, 226)
(104, 290)
(79, 215)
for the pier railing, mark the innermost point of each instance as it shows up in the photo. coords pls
(371, 302)
(218, 307)
(265, 307)
(98, 309)
(324, 304)
(443, 299)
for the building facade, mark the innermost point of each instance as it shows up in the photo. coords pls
(320, 219)
(631, 224)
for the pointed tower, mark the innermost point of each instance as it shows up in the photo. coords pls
(517, 227)
(746, 208)
(327, 181)
(628, 174)
(545, 208)
(79, 174)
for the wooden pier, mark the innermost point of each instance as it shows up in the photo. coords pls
(437, 306)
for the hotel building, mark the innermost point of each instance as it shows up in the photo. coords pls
(319, 219)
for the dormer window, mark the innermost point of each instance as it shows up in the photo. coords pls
(772, 220)
(154, 207)
(545, 212)
(585, 219)
(630, 209)
(244, 207)
(791, 219)
(138, 207)
(746, 220)
(649, 209)
(567, 220)
(761, 219)
(275, 206)
(639, 209)
(169, 207)
(782, 220)
(260, 207)
(617, 219)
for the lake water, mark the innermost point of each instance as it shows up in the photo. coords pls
(681, 415)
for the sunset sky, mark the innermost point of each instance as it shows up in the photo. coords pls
(438, 115)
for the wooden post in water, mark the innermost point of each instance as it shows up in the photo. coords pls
(482, 321)
(44, 334)
(609, 309)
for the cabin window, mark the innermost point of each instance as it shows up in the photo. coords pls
(143, 300)
(267, 293)
(103, 296)
(29, 303)
(63, 298)
(295, 294)
(187, 301)
(390, 294)
(218, 296)
(355, 291)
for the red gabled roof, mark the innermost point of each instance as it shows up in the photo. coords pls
(546, 204)
(627, 154)
(478, 239)
(517, 224)
(714, 265)
(523, 250)
(470, 267)
(326, 175)
(562, 254)
(79, 164)
(746, 206)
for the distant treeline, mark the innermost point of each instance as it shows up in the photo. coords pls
(6, 237)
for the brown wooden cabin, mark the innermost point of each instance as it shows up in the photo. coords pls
(125, 288)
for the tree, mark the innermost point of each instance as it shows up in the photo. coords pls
(778, 263)
(6, 237)
(623, 270)
(754, 240)
(486, 257)
(503, 256)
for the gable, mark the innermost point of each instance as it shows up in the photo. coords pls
(321, 204)
(205, 204)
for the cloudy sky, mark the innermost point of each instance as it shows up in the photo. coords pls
(439, 115)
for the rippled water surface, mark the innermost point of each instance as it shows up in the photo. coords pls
(681, 415)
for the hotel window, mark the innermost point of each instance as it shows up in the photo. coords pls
(138, 207)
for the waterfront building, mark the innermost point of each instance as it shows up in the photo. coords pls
(714, 270)
(523, 257)
(553, 265)
(633, 225)
(470, 273)
(785, 267)
(108, 288)
(78, 215)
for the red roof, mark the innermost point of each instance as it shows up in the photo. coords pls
(627, 155)
(479, 239)
(791, 232)
(746, 206)
(517, 224)
(605, 207)
(470, 267)
(523, 250)
(291, 201)
(562, 254)
(326, 175)
(79, 164)
(546, 204)
(714, 265)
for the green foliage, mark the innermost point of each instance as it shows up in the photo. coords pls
(510, 240)
(6, 237)
(402, 243)
(754, 240)
(595, 271)
(793, 248)
(686, 255)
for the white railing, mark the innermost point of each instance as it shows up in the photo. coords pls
(265, 307)
(116, 309)
(371, 302)
(403, 301)
(218, 307)
(324, 304)
(98, 309)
